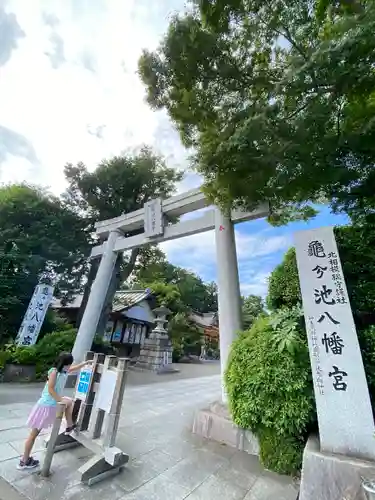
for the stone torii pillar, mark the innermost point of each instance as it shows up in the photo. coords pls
(95, 303)
(230, 316)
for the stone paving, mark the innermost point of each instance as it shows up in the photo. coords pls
(167, 461)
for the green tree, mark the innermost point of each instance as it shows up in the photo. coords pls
(168, 295)
(195, 294)
(277, 98)
(149, 266)
(283, 285)
(252, 308)
(117, 186)
(41, 240)
(185, 335)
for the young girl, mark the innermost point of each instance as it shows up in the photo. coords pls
(43, 414)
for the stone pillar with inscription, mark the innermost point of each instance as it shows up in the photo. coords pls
(156, 352)
(345, 417)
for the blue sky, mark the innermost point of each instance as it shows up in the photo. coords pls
(69, 92)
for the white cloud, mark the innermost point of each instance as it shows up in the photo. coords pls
(259, 245)
(258, 285)
(88, 44)
(198, 254)
(202, 246)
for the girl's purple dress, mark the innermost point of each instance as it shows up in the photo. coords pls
(43, 414)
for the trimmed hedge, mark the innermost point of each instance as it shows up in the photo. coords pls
(45, 352)
(270, 388)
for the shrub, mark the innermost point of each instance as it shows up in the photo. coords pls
(270, 388)
(282, 454)
(24, 355)
(213, 353)
(4, 357)
(45, 352)
(51, 345)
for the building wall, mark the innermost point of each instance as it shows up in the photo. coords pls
(141, 312)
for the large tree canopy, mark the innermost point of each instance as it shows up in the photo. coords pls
(277, 98)
(119, 185)
(41, 240)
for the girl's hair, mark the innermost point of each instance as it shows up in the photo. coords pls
(64, 359)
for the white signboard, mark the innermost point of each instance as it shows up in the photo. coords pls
(83, 384)
(34, 316)
(345, 418)
(106, 391)
(153, 223)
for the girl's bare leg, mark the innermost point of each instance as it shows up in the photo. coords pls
(68, 412)
(30, 441)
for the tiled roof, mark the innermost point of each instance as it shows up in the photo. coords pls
(124, 299)
(204, 319)
(74, 304)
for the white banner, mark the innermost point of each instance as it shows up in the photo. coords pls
(345, 418)
(34, 316)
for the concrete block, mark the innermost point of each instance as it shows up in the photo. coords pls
(202, 423)
(215, 423)
(250, 443)
(225, 431)
(332, 477)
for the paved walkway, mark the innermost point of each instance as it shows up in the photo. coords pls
(167, 461)
(29, 393)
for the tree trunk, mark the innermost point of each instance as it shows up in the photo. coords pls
(118, 277)
(90, 280)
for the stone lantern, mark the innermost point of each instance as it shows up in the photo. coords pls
(161, 321)
(156, 353)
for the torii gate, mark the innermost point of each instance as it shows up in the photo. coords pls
(152, 219)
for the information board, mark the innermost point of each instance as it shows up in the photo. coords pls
(106, 391)
(83, 383)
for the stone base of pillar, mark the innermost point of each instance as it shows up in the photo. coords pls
(215, 423)
(156, 355)
(327, 476)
